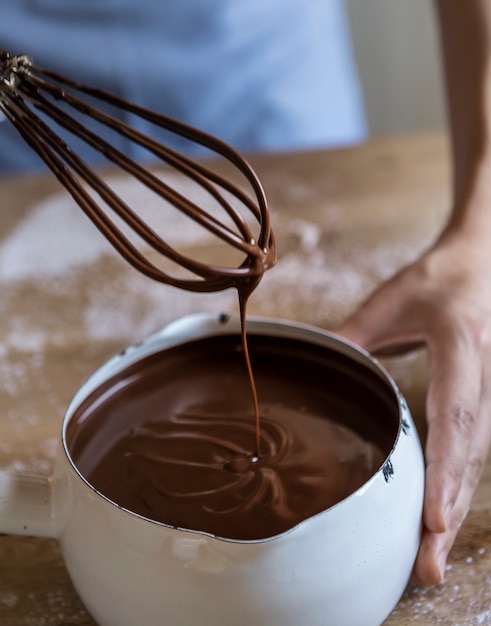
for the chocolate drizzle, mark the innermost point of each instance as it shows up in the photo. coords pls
(27, 89)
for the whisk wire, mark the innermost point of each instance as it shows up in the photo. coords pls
(87, 202)
(47, 144)
(175, 127)
(171, 157)
(22, 81)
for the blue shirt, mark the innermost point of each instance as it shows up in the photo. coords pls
(259, 74)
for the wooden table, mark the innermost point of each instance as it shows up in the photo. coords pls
(349, 218)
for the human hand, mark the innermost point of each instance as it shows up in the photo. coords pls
(444, 301)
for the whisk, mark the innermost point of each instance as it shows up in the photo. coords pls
(30, 96)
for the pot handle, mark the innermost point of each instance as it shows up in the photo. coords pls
(26, 505)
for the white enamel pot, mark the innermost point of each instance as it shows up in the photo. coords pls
(346, 566)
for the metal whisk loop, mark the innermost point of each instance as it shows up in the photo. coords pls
(25, 88)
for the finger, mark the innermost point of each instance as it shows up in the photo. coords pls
(430, 564)
(429, 568)
(454, 394)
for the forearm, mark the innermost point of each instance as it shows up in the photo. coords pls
(465, 27)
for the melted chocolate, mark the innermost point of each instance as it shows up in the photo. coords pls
(171, 437)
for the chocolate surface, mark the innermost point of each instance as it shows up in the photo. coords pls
(173, 436)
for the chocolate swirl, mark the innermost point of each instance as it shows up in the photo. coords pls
(175, 443)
